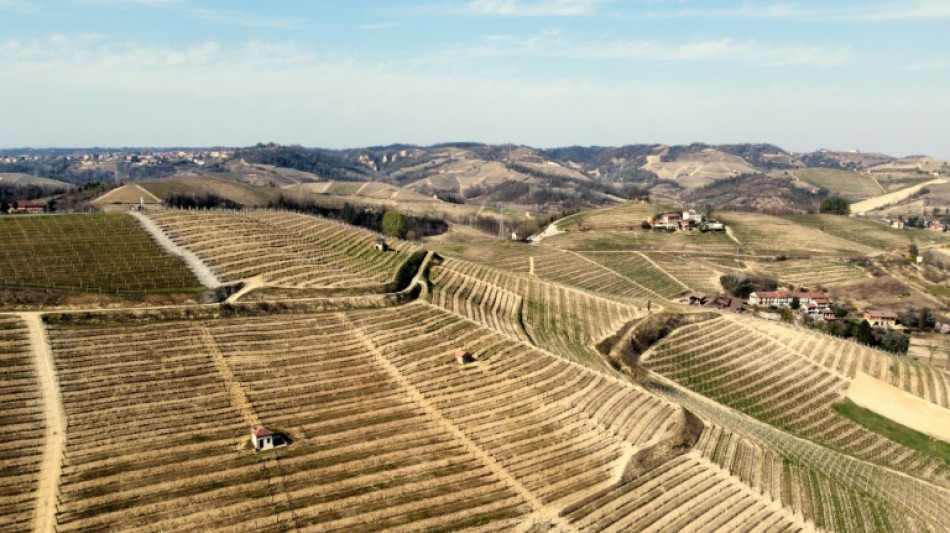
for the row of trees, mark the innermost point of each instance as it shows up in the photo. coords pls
(886, 339)
(394, 225)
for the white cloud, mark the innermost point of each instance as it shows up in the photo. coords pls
(881, 11)
(239, 18)
(378, 26)
(929, 65)
(154, 3)
(724, 50)
(535, 8)
(81, 91)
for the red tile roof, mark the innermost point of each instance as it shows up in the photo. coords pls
(261, 432)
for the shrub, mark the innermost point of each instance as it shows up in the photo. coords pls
(835, 205)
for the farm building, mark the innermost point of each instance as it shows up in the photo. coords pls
(882, 318)
(30, 206)
(265, 439)
(723, 302)
(816, 301)
(669, 221)
(691, 220)
(381, 245)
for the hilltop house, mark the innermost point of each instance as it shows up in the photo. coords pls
(881, 318)
(811, 303)
(668, 221)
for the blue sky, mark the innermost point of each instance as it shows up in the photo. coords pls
(868, 75)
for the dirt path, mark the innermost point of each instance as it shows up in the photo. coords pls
(549, 231)
(249, 285)
(732, 235)
(204, 273)
(892, 197)
(531, 266)
(47, 487)
(236, 394)
(879, 186)
(541, 511)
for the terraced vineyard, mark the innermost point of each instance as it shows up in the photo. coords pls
(848, 358)
(102, 252)
(533, 430)
(828, 502)
(389, 432)
(285, 249)
(560, 319)
(22, 419)
(692, 271)
(760, 376)
(640, 269)
(811, 272)
(552, 264)
(365, 454)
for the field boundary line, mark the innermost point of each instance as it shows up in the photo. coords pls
(538, 507)
(663, 270)
(54, 414)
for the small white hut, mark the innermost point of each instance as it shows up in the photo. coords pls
(262, 439)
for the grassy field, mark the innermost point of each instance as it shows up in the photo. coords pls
(109, 253)
(645, 240)
(626, 215)
(851, 185)
(896, 432)
(866, 232)
(770, 235)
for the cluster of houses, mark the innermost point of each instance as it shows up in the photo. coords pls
(931, 224)
(684, 221)
(813, 305)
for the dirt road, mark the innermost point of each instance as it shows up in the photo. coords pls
(55, 419)
(202, 271)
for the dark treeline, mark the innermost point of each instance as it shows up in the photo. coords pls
(319, 162)
(10, 193)
(368, 218)
(200, 201)
(58, 169)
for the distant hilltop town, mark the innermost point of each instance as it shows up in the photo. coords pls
(139, 156)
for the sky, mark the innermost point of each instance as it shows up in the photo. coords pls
(873, 76)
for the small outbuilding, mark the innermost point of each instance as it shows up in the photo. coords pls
(381, 245)
(464, 357)
(265, 439)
